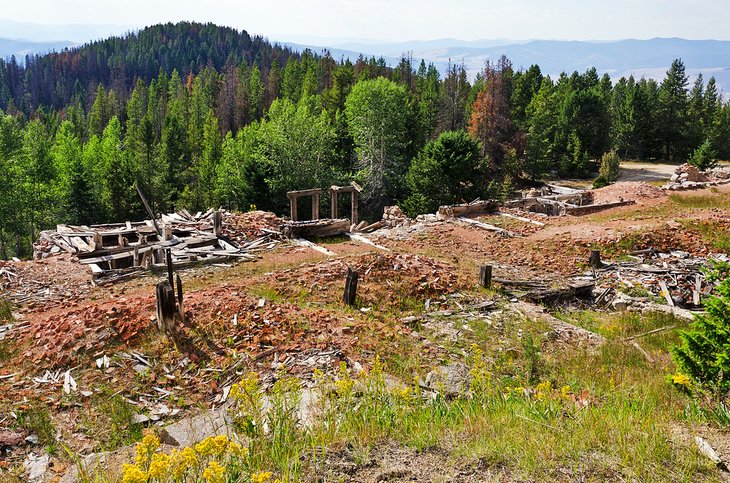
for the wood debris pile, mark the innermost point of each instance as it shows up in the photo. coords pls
(244, 227)
(676, 278)
(48, 282)
(119, 250)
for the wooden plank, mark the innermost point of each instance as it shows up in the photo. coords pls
(665, 292)
(116, 256)
(696, 293)
(485, 226)
(367, 241)
(306, 243)
(521, 218)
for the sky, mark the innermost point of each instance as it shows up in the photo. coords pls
(389, 21)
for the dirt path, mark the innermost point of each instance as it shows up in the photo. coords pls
(648, 172)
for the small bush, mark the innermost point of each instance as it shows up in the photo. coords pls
(609, 171)
(704, 356)
(703, 158)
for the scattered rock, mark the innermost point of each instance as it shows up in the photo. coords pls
(192, 430)
(36, 467)
(452, 379)
(11, 438)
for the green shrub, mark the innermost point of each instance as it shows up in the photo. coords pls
(703, 158)
(609, 171)
(704, 354)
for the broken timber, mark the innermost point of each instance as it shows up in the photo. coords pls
(350, 287)
(469, 209)
(315, 228)
(121, 250)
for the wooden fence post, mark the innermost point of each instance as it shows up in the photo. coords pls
(350, 287)
(485, 276)
(165, 307)
(180, 307)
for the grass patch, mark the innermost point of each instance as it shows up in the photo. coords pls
(594, 416)
(715, 200)
(36, 419)
(109, 421)
(713, 234)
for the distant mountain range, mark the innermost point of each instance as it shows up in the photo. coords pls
(648, 58)
(21, 48)
(25, 38)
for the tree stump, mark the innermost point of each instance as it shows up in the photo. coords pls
(485, 276)
(350, 287)
(595, 259)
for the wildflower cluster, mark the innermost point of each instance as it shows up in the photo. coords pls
(543, 392)
(207, 461)
(481, 377)
(248, 398)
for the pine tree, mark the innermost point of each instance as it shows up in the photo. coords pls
(673, 113)
(704, 353)
(256, 93)
(99, 114)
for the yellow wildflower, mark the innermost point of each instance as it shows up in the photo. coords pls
(159, 465)
(681, 379)
(565, 392)
(237, 450)
(214, 473)
(146, 448)
(133, 474)
(261, 477)
(248, 386)
(182, 461)
(543, 390)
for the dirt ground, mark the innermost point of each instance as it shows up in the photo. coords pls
(647, 172)
(283, 311)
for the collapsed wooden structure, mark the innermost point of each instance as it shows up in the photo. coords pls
(316, 227)
(120, 249)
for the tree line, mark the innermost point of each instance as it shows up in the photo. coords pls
(199, 116)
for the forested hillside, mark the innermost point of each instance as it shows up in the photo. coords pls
(199, 115)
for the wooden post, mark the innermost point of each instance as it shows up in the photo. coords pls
(135, 262)
(354, 203)
(180, 307)
(217, 223)
(485, 276)
(165, 307)
(350, 287)
(293, 207)
(595, 259)
(315, 207)
(98, 241)
(167, 232)
(149, 210)
(697, 290)
(333, 200)
(168, 260)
